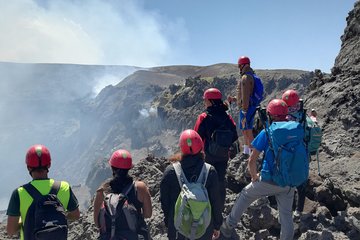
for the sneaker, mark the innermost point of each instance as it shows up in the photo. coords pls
(244, 156)
(226, 230)
(297, 214)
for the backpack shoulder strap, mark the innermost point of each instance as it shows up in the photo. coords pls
(55, 188)
(34, 193)
(180, 174)
(128, 188)
(204, 174)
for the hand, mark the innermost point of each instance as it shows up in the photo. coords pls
(216, 234)
(231, 99)
(255, 178)
(243, 123)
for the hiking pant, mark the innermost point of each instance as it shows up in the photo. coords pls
(301, 193)
(284, 198)
(221, 171)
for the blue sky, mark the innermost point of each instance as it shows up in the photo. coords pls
(274, 34)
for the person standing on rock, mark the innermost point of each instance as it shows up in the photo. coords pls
(21, 210)
(206, 125)
(136, 193)
(249, 96)
(192, 162)
(260, 186)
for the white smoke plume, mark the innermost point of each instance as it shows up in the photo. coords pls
(119, 32)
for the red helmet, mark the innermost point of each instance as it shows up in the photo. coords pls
(290, 97)
(190, 142)
(38, 156)
(121, 159)
(243, 60)
(277, 107)
(212, 93)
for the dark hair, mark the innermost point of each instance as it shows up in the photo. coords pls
(120, 179)
(218, 103)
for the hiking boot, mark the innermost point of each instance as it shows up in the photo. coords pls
(244, 156)
(297, 214)
(226, 230)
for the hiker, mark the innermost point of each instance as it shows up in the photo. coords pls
(312, 137)
(266, 183)
(249, 96)
(313, 115)
(130, 193)
(24, 212)
(190, 162)
(292, 99)
(207, 125)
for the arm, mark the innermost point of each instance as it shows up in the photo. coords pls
(145, 198)
(99, 198)
(165, 199)
(73, 215)
(252, 165)
(13, 225)
(13, 212)
(73, 212)
(246, 90)
(199, 126)
(238, 92)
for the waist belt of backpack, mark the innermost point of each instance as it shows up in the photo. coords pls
(35, 193)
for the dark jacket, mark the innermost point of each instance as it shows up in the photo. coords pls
(170, 189)
(208, 121)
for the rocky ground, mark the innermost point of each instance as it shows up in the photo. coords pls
(329, 213)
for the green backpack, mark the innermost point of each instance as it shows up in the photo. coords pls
(313, 135)
(192, 209)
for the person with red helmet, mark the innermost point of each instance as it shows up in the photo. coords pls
(207, 123)
(249, 96)
(191, 160)
(21, 213)
(292, 99)
(260, 186)
(138, 194)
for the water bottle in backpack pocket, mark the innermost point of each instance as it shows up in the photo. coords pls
(46, 217)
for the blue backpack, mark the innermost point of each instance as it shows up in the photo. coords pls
(287, 154)
(258, 93)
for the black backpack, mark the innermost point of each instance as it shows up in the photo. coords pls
(46, 217)
(120, 219)
(221, 139)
